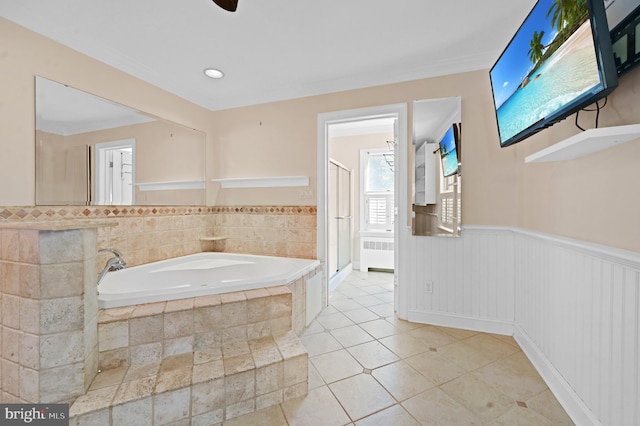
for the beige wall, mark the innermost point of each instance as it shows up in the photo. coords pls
(288, 129)
(593, 199)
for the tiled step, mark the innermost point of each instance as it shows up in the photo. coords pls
(205, 387)
(147, 333)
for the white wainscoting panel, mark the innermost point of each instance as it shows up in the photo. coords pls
(573, 307)
(463, 281)
(577, 308)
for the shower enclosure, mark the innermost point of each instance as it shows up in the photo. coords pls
(339, 218)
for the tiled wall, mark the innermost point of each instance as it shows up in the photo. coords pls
(143, 234)
(274, 231)
(149, 233)
(49, 314)
(151, 238)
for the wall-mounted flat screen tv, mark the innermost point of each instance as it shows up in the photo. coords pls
(449, 151)
(559, 61)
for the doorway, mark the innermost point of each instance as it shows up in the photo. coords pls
(115, 172)
(325, 122)
(377, 202)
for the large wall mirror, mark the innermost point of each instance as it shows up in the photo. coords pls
(437, 140)
(91, 151)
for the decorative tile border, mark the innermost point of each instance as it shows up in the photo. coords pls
(46, 213)
(266, 209)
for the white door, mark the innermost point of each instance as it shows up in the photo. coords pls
(115, 172)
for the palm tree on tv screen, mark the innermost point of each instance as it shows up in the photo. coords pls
(567, 13)
(536, 47)
(566, 17)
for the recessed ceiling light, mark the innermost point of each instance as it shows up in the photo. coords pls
(213, 73)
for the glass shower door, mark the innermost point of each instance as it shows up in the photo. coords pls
(339, 217)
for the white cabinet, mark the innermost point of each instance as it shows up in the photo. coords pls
(425, 174)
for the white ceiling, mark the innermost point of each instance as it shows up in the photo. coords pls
(276, 49)
(273, 50)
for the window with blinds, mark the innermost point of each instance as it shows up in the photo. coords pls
(379, 210)
(378, 196)
(450, 203)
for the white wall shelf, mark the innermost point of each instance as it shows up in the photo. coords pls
(587, 142)
(213, 238)
(171, 186)
(425, 173)
(263, 182)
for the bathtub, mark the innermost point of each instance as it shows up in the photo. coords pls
(198, 274)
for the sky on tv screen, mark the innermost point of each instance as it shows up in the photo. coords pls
(514, 64)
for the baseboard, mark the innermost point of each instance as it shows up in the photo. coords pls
(339, 277)
(485, 325)
(566, 396)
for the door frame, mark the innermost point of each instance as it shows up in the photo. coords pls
(101, 149)
(400, 111)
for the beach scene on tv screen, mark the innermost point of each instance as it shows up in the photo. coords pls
(449, 153)
(550, 62)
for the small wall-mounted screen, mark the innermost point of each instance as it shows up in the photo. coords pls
(449, 153)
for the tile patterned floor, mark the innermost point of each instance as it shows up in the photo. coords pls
(367, 367)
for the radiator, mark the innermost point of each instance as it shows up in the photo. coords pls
(376, 251)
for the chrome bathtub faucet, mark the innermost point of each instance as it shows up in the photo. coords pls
(116, 263)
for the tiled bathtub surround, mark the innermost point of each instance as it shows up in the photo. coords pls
(200, 388)
(147, 333)
(138, 333)
(299, 303)
(149, 233)
(48, 265)
(212, 357)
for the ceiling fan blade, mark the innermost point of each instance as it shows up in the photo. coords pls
(230, 5)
